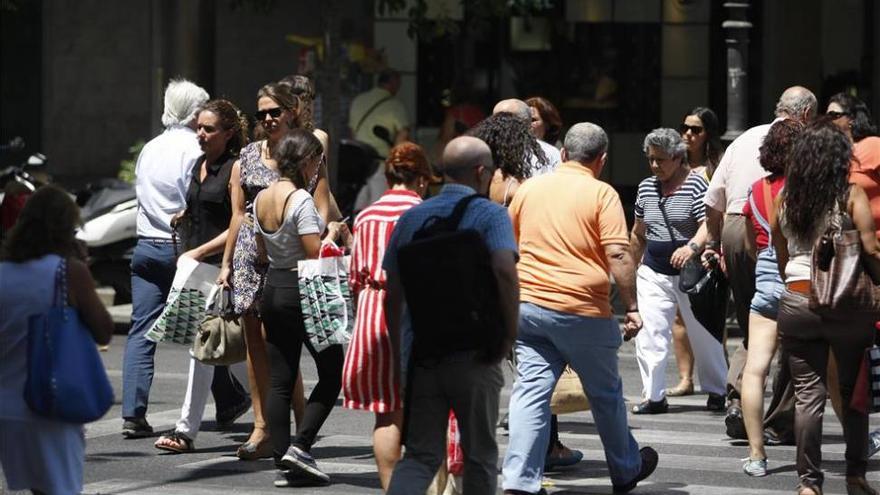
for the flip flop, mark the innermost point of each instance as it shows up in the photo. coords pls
(181, 443)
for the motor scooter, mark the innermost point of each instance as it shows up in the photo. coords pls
(17, 183)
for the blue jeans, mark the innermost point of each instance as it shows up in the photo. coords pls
(152, 271)
(547, 340)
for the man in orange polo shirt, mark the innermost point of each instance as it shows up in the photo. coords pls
(572, 235)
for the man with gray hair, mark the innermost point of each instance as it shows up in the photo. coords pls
(551, 155)
(163, 173)
(727, 194)
(565, 311)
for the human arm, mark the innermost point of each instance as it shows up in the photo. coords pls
(860, 211)
(714, 224)
(210, 248)
(694, 246)
(637, 240)
(83, 297)
(504, 268)
(623, 269)
(780, 243)
(324, 199)
(236, 195)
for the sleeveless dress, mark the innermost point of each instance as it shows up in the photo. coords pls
(247, 273)
(35, 453)
(368, 380)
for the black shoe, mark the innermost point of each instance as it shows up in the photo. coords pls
(651, 407)
(715, 403)
(504, 422)
(136, 428)
(225, 419)
(649, 464)
(736, 428)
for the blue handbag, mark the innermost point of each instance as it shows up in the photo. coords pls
(66, 380)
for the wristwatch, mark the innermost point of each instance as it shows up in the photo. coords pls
(694, 246)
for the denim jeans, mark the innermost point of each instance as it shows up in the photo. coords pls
(547, 340)
(152, 271)
(768, 285)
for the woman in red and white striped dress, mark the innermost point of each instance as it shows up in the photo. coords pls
(368, 380)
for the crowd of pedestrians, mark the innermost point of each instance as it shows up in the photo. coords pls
(544, 240)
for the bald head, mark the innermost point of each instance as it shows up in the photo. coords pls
(464, 153)
(797, 102)
(514, 106)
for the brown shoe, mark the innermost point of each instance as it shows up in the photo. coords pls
(684, 387)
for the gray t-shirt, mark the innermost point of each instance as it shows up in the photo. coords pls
(284, 247)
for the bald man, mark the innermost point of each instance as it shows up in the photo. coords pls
(522, 110)
(727, 195)
(468, 380)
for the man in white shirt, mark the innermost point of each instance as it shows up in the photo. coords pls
(164, 169)
(522, 110)
(727, 194)
(378, 108)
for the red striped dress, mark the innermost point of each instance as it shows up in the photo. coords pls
(368, 375)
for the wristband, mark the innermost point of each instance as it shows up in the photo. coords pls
(694, 246)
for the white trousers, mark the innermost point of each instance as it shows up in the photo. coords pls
(198, 387)
(659, 297)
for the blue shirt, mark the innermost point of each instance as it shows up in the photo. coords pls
(489, 219)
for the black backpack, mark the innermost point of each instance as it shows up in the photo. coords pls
(450, 288)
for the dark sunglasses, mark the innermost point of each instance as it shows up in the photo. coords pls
(695, 129)
(836, 115)
(272, 112)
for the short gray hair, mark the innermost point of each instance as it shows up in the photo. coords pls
(515, 106)
(667, 140)
(183, 100)
(795, 101)
(585, 142)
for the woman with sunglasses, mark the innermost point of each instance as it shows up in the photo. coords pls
(699, 130)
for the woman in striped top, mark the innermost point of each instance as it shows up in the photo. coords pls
(669, 229)
(368, 378)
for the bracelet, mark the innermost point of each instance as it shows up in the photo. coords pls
(632, 311)
(694, 246)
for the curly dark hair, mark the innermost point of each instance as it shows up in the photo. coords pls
(777, 145)
(292, 152)
(857, 111)
(301, 86)
(232, 119)
(46, 225)
(550, 115)
(817, 178)
(512, 144)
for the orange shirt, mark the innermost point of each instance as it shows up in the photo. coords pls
(865, 171)
(562, 222)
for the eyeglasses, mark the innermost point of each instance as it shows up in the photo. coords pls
(836, 115)
(272, 112)
(695, 129)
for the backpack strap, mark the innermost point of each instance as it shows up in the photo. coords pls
(370, 112)
(460, 208)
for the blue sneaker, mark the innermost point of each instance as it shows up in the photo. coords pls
(301, 463)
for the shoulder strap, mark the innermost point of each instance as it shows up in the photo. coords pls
(768, 202)
(460, 209)
(370, 111)
(662, 208)
(510, 182)
(61, 283)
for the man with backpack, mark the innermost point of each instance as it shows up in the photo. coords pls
(573, 237)
(452, 296)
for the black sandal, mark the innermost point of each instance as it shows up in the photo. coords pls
(183, 443)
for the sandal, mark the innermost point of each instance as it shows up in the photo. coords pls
(250, 451)
(175, 442)
(684, 387)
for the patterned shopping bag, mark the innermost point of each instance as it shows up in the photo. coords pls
(185, 306)
(866, 393)
(325, 296)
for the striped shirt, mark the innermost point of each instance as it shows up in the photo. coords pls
(684, 211)
(368, 380)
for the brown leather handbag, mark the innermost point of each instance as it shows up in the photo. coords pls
(839, 281)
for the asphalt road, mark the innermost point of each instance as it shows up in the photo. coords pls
(695, 455)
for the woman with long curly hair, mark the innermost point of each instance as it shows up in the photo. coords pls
(768, 287)
(512, 144)
(817, 188)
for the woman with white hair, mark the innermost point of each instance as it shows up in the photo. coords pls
(164, 170)
(668, 230)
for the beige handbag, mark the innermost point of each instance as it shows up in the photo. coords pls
(220, 340)
(568, 396)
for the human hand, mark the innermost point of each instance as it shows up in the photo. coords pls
(223, 278)
(680, 256)
(194, 254)
(711, 257)
(632, 323)
(175, 220)
(339, 233)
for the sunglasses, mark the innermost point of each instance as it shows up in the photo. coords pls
(272, 112)
(695, 129)
(836, 115)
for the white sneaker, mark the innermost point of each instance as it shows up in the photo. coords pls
(755, 467)
(873, 442)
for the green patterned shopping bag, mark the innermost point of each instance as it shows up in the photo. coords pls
(185, 306)
(326, 300)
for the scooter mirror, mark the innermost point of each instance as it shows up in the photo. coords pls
(36, 160)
